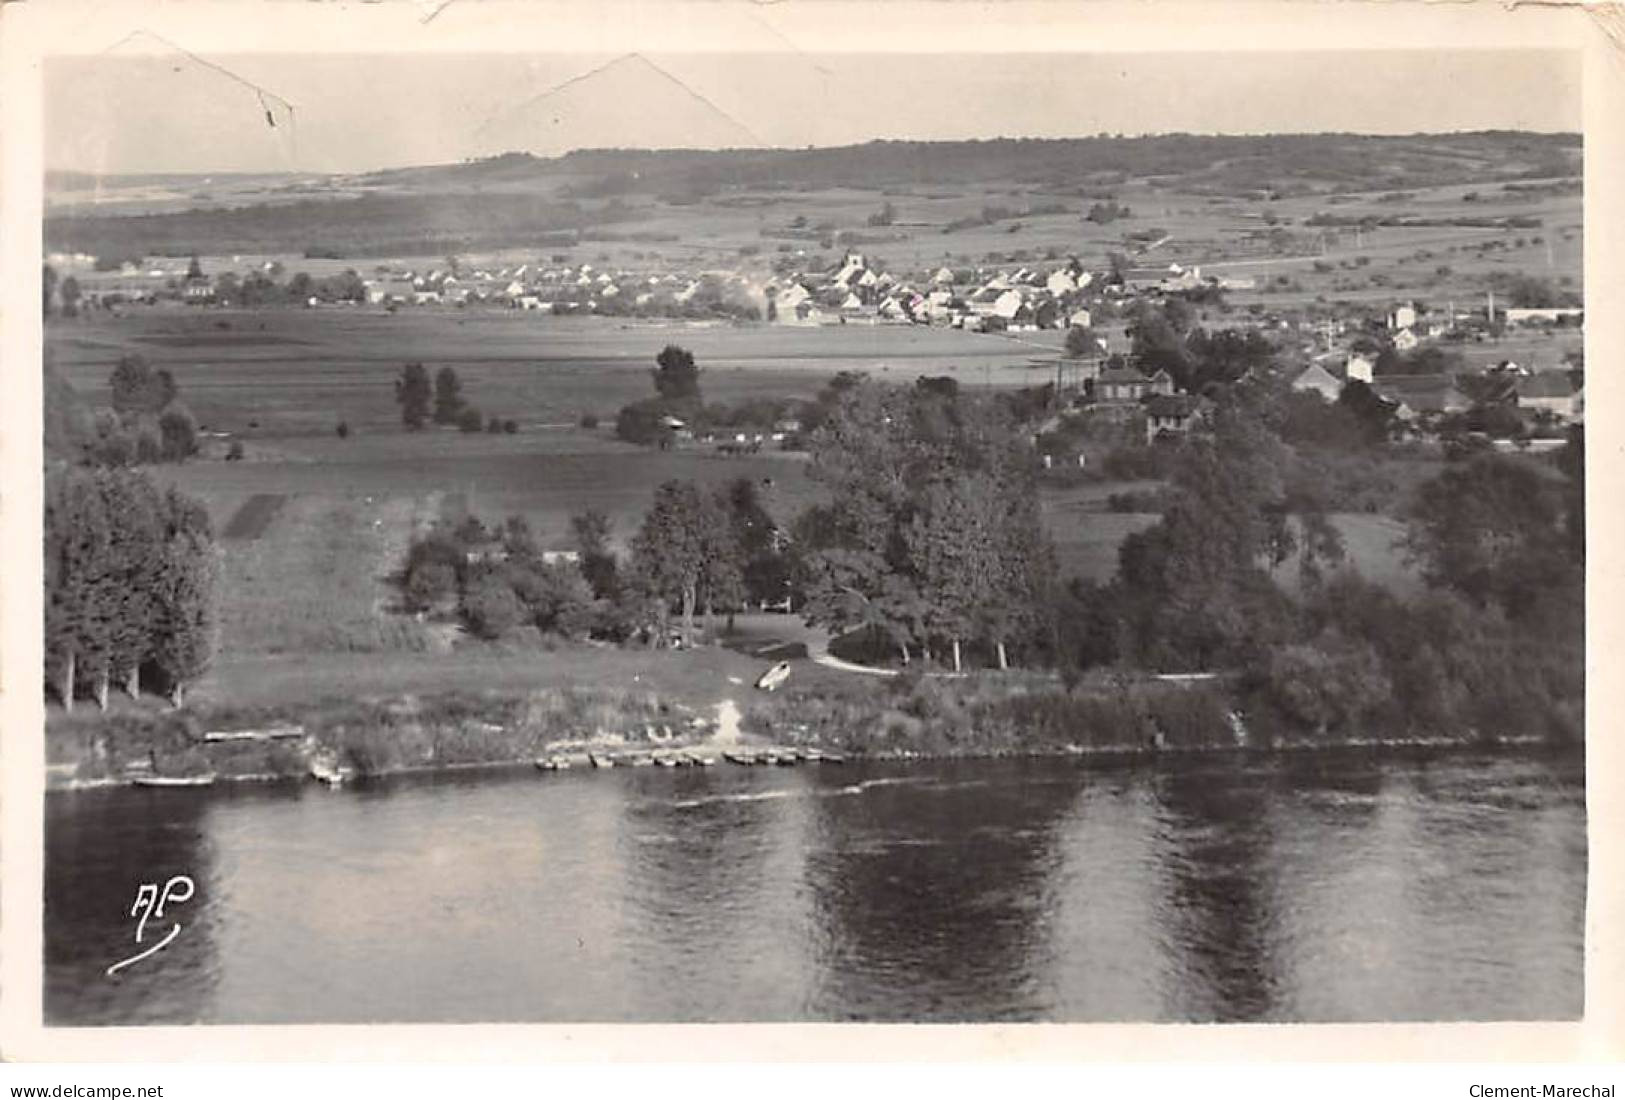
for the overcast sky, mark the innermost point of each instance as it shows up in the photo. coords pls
(174, 112)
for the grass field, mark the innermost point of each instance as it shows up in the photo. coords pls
(301, 371)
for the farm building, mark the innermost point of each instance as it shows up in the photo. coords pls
(1317, 379)
(1421, 394)
(1550, 391)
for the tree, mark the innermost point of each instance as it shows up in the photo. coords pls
(1490, 531)
(672, 548)
(184, 597)
(470, 420)
(70, 293)
(412, 394)
(179, 431)
(137, 388)
(1081, 343)
(490, 606)
(592, 536)
(676, 377)
(343, 429)
(135, 511)
(643, 422)
(194, 269)
(448, 397)
(48, 281)
(428, 584)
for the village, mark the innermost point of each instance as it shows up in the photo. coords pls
(1078, 321)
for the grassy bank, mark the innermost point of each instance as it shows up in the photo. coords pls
(985, 714)
(366, 737)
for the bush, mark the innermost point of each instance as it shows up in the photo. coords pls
(491, 608)
(493, 426)
(234, 453)
(589, 420)
(470, 420)
(428, 584)
(343, 430)
(509, 427)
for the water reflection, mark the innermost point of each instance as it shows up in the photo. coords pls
(929, 889)
(1338, 887)
(103, 845)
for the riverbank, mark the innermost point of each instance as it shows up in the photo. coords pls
(986, 715)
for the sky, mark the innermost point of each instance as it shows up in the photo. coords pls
(176, 112)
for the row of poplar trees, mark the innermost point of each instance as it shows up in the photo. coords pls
(129, 583)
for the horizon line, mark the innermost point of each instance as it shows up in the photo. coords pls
(811, 147)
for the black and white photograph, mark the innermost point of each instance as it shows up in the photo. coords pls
(825, 525)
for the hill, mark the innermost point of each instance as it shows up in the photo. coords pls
(527, 201)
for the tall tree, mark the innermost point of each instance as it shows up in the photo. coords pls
(592, 536)
(48, 281)
(412, 391)
(70, 293)
(676, 376)
(448, 397)
(183, 591)
(674, 545)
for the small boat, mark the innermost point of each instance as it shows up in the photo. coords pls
(173, 780)
(703, 761)
(831, 758)
(774, 677)
(786, 757)
(598, 760)
(743, 758)
(642, 760)
(665, 761)
(553, 764)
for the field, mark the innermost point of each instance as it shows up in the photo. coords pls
(275, 374)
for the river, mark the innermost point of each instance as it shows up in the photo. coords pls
(1310, 887)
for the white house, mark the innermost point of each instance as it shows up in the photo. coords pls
(1359, 368)
(1007, 304)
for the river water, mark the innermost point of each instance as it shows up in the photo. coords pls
(1323, 887)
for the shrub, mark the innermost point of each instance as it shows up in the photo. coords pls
(491, 608)
(343, 430)
(589, 420)
(234, 453)
(509, 427)
(470, 420)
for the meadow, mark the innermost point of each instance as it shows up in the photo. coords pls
(293, 372)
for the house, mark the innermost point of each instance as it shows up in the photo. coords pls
(1060, 282)
(1359, 368)
(1403, 318)
(1550, 391)
(198, 288)
(1421, 394)
(1170, 413)
(1125, 384)
(1007, 305)
(1405, 340)
(1317, 379)
(1547, 315)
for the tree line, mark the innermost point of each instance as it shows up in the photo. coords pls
(129, 583)
(441, 402)
(695, 552)
(931, 537)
